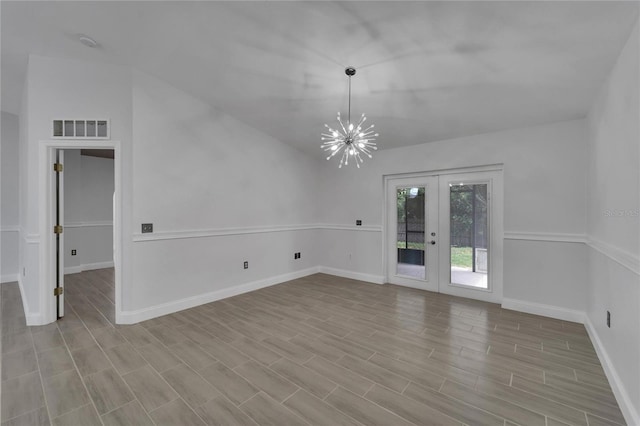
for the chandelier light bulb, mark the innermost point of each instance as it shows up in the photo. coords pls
(349, 138)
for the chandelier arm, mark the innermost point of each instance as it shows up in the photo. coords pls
(342, 125)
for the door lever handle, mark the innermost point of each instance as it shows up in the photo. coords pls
(432, 242)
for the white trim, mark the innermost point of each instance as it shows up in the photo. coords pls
(624, 258)
(92, 224)
(87, 267)
(9, 278)
(629, 412)
(220, 232)
(73, 269)
(217, 232)
(10, 228)
(473, 169)
(546, 236)
(34, 319)
(46, 148)
(32, 238)
(338, 227)
(375, 279)
(30, 319)
(132, 317)
(544, 310)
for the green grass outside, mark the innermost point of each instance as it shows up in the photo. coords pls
(414, 246)
(460, 256)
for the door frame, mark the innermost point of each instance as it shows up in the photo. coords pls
(431, 185)
(496, 232)
(46, 219)
(498, 226)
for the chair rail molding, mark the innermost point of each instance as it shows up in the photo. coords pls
(219, 232)
(623, 257)
(555, 237)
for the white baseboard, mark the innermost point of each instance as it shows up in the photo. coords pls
(34, 319)
(73, 270)
(544, 310)
(31, 319)
(87, 267)
(629, 412)
(9, 278)
(376, 279)
(132, 317)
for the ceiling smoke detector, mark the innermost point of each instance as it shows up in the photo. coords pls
(87, 41)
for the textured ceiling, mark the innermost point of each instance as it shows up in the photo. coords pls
(426, 70)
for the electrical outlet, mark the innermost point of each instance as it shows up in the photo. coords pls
(147, 228)
(296, 255)
(73, 252)
(358, 222)
(608, 319)
(246, 265)
(299, 255)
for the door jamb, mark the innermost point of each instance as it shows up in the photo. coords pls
(46, 220)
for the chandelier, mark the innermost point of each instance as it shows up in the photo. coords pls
(352, 140)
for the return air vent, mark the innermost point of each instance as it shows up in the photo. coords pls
(81, 129)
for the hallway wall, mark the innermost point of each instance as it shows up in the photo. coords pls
(9, 212)
(88, 212)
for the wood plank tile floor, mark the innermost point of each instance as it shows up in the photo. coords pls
(320, 350)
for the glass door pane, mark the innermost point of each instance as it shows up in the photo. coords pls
(469, 235)
(412, 231)
(410, 235)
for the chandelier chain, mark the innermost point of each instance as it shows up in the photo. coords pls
(349, 112)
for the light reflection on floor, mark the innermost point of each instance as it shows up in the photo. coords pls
(460, 276)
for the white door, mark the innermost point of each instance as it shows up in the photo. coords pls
(470, 219)
(444, 233)
(412, 228)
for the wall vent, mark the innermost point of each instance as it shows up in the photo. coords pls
(81, 129)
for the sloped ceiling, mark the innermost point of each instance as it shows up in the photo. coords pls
(426, 71)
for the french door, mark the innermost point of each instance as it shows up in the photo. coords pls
(444, 233)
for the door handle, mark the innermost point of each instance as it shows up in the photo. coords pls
(432, 242)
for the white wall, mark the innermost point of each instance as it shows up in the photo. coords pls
(88, 211)
(57, 88)
(193, 170)
(544, 199)
(613, 227)
(9, 209)
(199, 176)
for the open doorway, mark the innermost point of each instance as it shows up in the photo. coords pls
(89, 278)
(81, 196)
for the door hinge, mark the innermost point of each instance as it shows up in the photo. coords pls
(58, 291)
(58, 167)
(57, 229)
